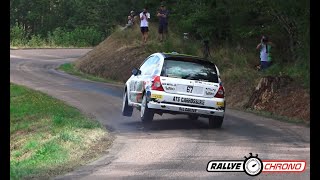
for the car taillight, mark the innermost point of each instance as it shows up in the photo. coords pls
(220, 93)
(156, 84)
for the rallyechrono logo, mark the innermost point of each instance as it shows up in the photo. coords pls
(253, 165)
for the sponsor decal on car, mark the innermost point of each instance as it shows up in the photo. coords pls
(156, 96)
(188, 100)
(168, 84)
(170, 88)
(208, 93)
(220, 104)
(187, 109)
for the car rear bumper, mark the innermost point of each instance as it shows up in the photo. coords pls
(185, 109)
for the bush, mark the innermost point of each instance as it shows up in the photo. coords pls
(57, 37)
(78, 37)
(18, 36)
(36, 41)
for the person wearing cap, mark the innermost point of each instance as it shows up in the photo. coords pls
(144, 23)
(131, 19)
(163, 22)
(265, 52)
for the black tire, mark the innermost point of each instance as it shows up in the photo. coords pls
(193, 117)
(146, 114)
(126, 109)
(215, 122)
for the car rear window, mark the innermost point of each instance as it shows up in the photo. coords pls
(190, 69)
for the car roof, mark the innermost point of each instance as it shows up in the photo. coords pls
(176, 55)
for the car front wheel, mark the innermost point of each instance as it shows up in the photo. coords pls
(215, 122)
(146, 114)
(126, 109)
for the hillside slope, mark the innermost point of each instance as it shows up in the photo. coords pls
(115, 57)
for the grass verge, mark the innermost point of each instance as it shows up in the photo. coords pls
(48, 137)
(70, 69)
(278, 117)
(48, 47)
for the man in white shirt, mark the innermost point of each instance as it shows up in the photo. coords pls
(144, 17)
(265, 55)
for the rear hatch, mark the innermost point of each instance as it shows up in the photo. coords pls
(189, 76)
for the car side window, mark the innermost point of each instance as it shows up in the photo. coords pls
(157, 68)
(150, 66)
(145, 65)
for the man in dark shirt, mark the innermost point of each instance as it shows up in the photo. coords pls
(163, 22)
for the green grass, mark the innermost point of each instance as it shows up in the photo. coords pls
(48, 137)
(71, 69)
(278, 117)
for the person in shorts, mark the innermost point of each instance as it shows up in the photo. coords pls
(265, 52)
(163, 22)
(144, 24)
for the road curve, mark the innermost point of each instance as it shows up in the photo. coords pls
(172, 147)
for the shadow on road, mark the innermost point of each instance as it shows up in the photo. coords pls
(170, 124)
(234, 129)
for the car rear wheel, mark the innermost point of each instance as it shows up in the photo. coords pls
(215, 122)
(126, 109)
(146, 114)
(193, 117)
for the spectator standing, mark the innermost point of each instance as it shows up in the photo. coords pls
(131, 19)
(144, 24)
(163, 22)
(265, 52)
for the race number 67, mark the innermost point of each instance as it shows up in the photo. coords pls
(189, 89)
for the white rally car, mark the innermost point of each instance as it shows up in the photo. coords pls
(176, 84)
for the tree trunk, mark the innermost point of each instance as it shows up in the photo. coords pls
(265, 91)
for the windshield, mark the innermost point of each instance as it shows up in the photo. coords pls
(193, 70)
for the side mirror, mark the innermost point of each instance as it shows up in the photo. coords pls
(136, 72)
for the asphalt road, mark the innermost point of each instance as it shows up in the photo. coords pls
(172, 147)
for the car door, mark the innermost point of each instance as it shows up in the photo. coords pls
(137, 82)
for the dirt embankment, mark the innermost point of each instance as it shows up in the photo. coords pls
(115, 58)
(112, 59)
(281, 95)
